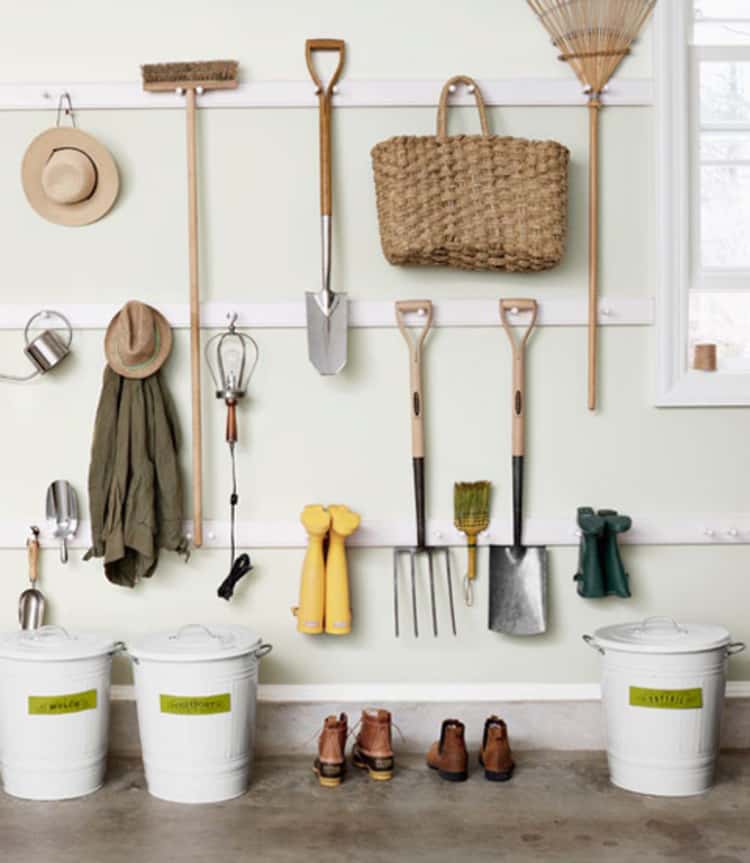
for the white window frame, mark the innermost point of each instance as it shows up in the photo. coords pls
(677, 212)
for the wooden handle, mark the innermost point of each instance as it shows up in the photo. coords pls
(32, 546)
(518, 405)
(471, 573)
(231, 421)
(594, 106)
(324, 104)
(415, 367)
(195, 323)
(442, 117)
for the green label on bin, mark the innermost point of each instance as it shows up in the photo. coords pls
(196, 705)
(666, 699)
(56, 705)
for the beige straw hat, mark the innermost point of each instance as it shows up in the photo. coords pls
(69, 177)
(138, 341)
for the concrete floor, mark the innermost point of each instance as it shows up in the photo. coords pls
(559, 806)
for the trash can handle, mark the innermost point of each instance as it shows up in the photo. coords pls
(649, 620)
(47, 630)
(194, 626)
(735, 647)
(263, 650)
(591, 641)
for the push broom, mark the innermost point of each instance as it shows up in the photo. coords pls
(593, 37)
(190, 80)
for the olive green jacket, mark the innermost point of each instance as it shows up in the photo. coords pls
(135, 491)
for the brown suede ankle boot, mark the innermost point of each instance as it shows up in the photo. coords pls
(495, 755)
(448, 755)
(373, 750)
(330, 763)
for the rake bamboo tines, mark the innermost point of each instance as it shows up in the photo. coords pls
(593, 36)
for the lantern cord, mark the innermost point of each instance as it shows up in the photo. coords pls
(242, 565)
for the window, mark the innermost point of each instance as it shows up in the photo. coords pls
(703, 109)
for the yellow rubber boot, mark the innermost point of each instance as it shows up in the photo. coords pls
(316, 521)
(338, 605)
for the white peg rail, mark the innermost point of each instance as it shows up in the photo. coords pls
(677, 529)
(301, 94)
(362, 313)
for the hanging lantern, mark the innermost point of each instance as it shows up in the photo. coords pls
(231, 358)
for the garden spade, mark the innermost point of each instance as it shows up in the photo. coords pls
(327, 312)
(518, 573)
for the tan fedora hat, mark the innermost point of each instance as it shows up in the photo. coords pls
(138, 341)
(69, 177)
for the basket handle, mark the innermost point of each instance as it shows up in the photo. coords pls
(442, 117)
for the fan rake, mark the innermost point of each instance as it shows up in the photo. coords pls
(593, 37)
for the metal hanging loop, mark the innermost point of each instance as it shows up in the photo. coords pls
(65, 107)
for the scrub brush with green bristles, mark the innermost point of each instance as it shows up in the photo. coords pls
(471, 515)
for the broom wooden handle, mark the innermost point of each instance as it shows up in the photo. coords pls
(195, 322)
(594, 106)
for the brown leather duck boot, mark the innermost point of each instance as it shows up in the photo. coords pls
(331, 763)
(448, 755)
(373, 750)
(495, 755)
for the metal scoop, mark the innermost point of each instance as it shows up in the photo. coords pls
(62, 513)
(31, 602)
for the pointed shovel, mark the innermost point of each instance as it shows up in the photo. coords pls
(518, 573)
(327, 312)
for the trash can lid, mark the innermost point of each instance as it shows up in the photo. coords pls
(54, 644)
(196, 643)
(662, 635)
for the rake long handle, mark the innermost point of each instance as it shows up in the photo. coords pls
(195, 322)
(594, 106)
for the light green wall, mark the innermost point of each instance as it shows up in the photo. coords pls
(307, 439)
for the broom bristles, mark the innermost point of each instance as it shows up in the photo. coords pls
(471, 506)
(200, 72)
(593, 36)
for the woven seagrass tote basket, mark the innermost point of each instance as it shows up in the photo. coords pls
(476, 202)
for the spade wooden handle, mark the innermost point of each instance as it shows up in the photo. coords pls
(324, 104)
(519, 391)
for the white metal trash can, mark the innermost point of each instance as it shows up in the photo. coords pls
(196, 690)
(663, 687)
(54, 712)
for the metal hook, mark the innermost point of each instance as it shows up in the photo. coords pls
(232, 318)
(468, 591)
(68, 109)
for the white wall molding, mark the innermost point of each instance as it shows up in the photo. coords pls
(362, 313)
(663, 529)
(301, 94)
(467, 693)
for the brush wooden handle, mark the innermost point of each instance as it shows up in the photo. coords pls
(415, 367)
(324, 104)
(594, 106)
(518, 347)
(195, 322)
(32, 547)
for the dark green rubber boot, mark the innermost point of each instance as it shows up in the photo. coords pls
(615, 577)
(590, 576)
